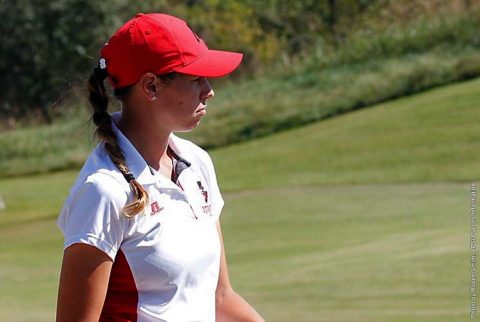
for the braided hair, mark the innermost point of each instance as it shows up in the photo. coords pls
(99, 100)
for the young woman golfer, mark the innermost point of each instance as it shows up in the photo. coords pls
(142, 236)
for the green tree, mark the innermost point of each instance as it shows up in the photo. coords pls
(45, 46)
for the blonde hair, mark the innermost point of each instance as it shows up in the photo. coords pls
(99, 100)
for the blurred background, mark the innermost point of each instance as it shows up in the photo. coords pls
(345, 147)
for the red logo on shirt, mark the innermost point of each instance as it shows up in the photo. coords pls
(155, 208)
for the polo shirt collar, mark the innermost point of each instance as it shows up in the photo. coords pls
(135, 162)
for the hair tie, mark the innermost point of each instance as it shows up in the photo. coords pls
(129, 177)
(102, 63)
(101, 70)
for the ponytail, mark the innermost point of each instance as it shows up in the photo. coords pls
(99, 101)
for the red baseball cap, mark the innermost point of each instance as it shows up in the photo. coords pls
(161, 44)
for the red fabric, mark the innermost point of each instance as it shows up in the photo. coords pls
(122, 296)
(161, 44)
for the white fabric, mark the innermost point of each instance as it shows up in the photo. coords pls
(173, 248)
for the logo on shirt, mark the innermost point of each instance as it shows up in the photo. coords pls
(155, 208)
(207, 209)
(203, 191)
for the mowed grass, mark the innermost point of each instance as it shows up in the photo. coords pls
(429, 137)
(364, 217)
(351, 253)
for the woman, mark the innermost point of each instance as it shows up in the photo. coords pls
(142, 237)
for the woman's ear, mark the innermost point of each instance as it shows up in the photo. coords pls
(149, 85)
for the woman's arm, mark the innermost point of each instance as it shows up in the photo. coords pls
(230, 306)
(83, 283)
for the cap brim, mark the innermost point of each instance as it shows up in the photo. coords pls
(214, 63)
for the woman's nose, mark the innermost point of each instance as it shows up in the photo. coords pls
(209, 93)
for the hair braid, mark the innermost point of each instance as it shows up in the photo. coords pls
(99, 101)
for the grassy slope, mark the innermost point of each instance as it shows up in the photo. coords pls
(359, 218)
(249, 109)
(257, 107)
(427, 137)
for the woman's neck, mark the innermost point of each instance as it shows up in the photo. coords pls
(151, 142)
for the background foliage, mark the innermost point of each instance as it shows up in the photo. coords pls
(301, 65)
(48, 46)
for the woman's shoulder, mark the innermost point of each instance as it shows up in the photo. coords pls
(101, 173)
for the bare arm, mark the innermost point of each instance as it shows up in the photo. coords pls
(83, 283)
(231, 307)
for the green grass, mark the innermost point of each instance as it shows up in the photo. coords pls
(31, 246)
(428, 137)
(250, 109)
(363, 217)
(350, 253)
(264, 106)
(384, 58)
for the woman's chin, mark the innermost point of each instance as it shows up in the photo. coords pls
(189, 128)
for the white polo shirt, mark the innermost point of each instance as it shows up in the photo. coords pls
(167, 259)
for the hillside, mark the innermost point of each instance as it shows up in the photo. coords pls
(430, 137)
(399, 54)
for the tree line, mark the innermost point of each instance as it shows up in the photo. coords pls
(48, 45)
